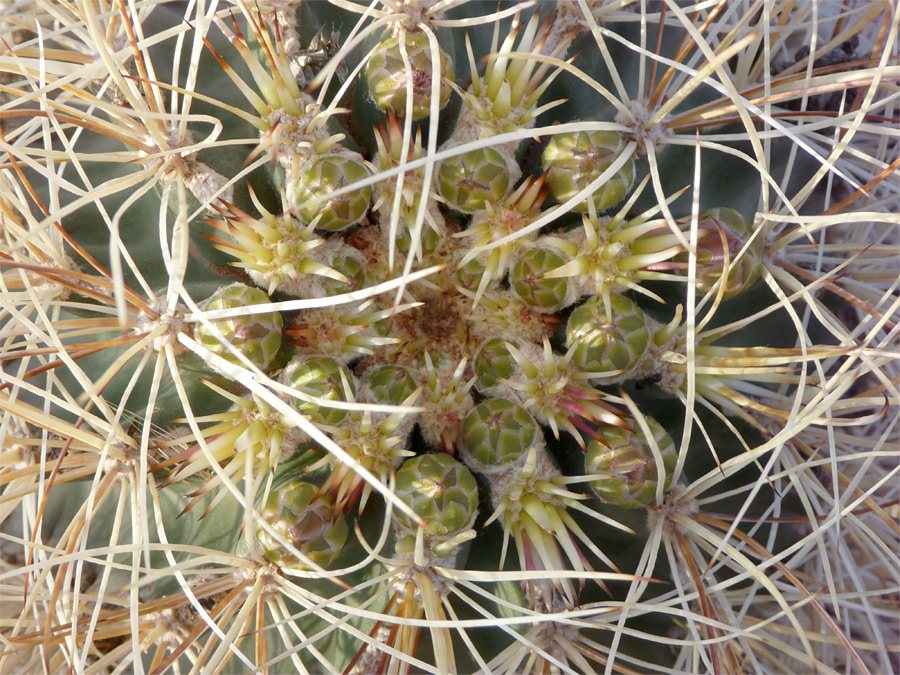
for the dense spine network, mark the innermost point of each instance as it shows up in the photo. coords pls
(449, 336)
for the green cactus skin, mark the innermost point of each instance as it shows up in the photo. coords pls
(322, 178)
(574, 160)
(604, 342)
(257, 336)
(441, 490)
(306, 519)
(633, 471)
(387, 75)
(470, 181)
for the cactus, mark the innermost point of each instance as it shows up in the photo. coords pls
(449, 336)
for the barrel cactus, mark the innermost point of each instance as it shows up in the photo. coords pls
(449, 337)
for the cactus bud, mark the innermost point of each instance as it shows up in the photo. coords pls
(256, 336)
(574, 160)
(352, 268)
(730, 224)
(321, 377)
(320, 180)
(469, 275)
(388, 76)
(627, 458)
(472, 180)
(441, 490)
(428, 240)
(525, 279)
(614, 341)
(496, 434)
(304, 519)
(390, 384)
(494, 361)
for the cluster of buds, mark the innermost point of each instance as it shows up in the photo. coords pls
(497, 327)
(529, 496)
(442, 495)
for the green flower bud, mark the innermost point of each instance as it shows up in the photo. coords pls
(628, 459)
(471, 180)
(496, 434)
(390, 384)
(325, 176)
(494, 361)
(602, 344)
(439, 360)
(469, 275)
(256, 336)
(525, 279)
(350, 267)
(441, 490)
(711, 251)
(574, 160)
(388, 76)
(307, 521)
(321, 377)
(429, 240)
